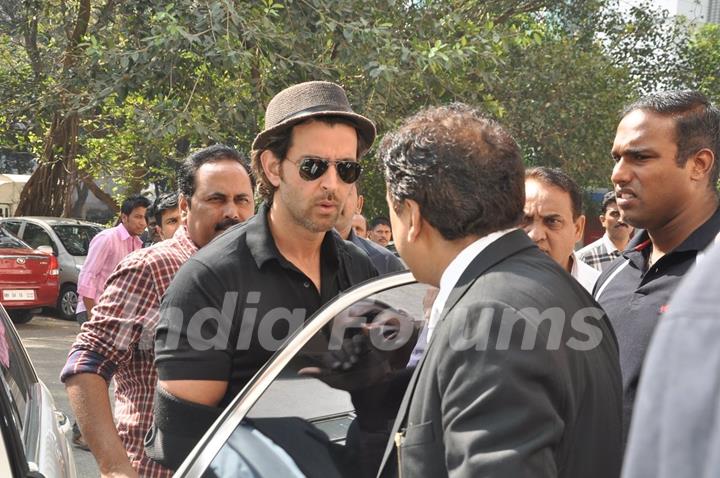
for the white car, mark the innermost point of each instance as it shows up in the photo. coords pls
(34, 440)
(235, 446)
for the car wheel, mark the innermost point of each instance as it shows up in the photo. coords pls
(67, 302)
(20, 316)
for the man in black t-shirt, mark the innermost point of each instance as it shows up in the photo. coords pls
(236, 301)
(666, 170)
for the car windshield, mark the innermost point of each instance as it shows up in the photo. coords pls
(8, 241)
(75, 237)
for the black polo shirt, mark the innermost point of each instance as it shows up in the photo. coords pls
(635, 298)
(237, 299)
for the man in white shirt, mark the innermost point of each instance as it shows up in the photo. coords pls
(601, 253)
(555, 222)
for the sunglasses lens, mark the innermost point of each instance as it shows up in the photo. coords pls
(311, 169)
(349, 171)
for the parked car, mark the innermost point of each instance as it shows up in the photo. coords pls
(28, 277)
(69, 240)
(242, 442)
(34, 434)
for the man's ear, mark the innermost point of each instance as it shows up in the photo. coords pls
(360, 204)
(415, 224)
(184, 206)
(271, 166)
(579, 227)
(702, 164)
(601, 217)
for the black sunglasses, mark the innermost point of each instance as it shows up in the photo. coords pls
(312, 168)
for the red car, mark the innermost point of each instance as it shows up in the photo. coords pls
(29, 278)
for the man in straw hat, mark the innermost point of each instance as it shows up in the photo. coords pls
(287, 258)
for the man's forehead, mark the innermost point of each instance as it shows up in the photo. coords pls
(546, 200)
(339, 140)
(170, 213)
(639, 127)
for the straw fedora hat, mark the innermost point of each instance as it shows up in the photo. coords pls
(308, 100)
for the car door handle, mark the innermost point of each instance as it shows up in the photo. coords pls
(63, 422)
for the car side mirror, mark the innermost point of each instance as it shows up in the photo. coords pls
(46, 249)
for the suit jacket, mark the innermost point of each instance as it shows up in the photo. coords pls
(520, 379)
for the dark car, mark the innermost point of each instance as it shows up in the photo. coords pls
(29, 278)
(69, 240)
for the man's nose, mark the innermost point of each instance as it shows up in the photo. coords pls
(536, 232)
(231, 210)
(620, 173)
(330, 180)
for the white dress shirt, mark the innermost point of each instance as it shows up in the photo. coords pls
(586, 275)
(455, 270)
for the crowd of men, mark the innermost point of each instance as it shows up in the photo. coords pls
(497, 243)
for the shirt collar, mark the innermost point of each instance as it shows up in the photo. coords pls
(583, 273)
(609, 246)
(703, 235)
(261, 243)
(182, 236)
(698, 240)
(124, 235)
(455, 269)
(122, 232)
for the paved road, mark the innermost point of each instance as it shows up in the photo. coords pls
(48, 340)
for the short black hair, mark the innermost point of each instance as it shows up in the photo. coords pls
(608, 198)
(164, 203)
(190, 165)
(133, 202)
(697, 122)
(280, 143)
(380, 220)
(463, 169)
(561, 180)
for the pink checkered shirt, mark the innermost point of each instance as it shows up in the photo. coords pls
(118, 340)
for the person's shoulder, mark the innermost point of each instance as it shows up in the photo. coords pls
(103, 235)
(354, 256)
(593, 246)
(370, 245)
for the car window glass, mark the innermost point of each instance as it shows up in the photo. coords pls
(12, 226)
(316, 425)
(76, 238)
(9, 241)
(14, 366)
(36, 236)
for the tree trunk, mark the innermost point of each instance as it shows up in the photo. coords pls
(50, 186)
(49, 189)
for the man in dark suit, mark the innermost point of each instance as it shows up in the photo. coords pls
(520, 377)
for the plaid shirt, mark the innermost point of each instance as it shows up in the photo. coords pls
(599, 254)
(118, 340)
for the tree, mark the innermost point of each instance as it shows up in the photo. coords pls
(142, 82)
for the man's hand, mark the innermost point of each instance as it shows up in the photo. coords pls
(366, 342)
(89, 399)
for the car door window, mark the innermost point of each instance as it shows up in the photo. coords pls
(15, 370)
(76, 238)
(314, 424)
(36, 236)
(13, 227)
